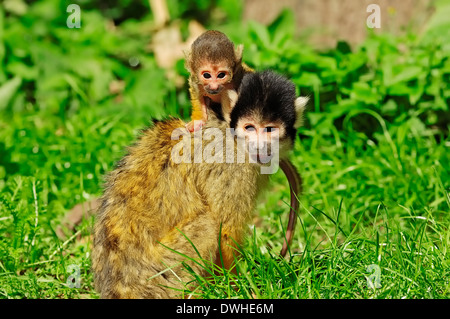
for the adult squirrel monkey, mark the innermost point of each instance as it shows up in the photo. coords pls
(162, 209)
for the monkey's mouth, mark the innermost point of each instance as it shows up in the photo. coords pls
(213, 92)
(260, 158)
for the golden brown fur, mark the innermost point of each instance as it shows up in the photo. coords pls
(157, 213)
(150, 201)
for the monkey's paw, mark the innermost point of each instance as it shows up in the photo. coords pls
(194, 126)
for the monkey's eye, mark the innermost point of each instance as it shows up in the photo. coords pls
(250, 128)
(270, 129)
(206, 75)
(221, 75)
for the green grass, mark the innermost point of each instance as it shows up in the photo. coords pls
(374, 156)
(361, 205)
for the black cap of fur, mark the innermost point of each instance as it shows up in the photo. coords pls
(271, 93)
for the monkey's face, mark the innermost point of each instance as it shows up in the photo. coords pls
(215, 77)
(266, 113)
(265, 140)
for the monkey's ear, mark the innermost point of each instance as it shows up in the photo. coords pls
(238, 51)
(300, 105)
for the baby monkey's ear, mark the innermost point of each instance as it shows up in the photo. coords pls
(238, 51)
(187, 60)
(300, 105)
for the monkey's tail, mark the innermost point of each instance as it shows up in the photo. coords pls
(295, 184)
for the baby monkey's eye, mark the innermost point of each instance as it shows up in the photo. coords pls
(249, 128)
(221, 75)
(206, 75)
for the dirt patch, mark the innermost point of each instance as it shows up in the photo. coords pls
(331, 20)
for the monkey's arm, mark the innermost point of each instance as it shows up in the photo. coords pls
(199, 114)
(197, 107)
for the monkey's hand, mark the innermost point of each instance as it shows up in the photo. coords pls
(194, 126)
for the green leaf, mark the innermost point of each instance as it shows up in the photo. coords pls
(417, 125)
(282, 28)
(402, 74)
(8, 90)
(259, 34)
(439, 21)
(344, 107)
(232, 9)
(2, 45)
(389, 108)
(307, 79)
(363, 92)
(22, 70)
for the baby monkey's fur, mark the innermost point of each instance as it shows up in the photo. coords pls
(157, 214)
(213, 54)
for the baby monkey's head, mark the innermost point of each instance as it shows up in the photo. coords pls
(212, 60)
(266, 114)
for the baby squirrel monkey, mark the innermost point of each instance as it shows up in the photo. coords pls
(215, 66)
(158, 214)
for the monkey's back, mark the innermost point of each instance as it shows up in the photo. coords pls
(152, 205)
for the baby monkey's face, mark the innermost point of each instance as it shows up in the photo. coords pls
(215, 77)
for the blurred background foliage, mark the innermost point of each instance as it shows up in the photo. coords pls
(61, 86)
(109, 62)
(110, 67)
(72, 99)
(70, 94)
